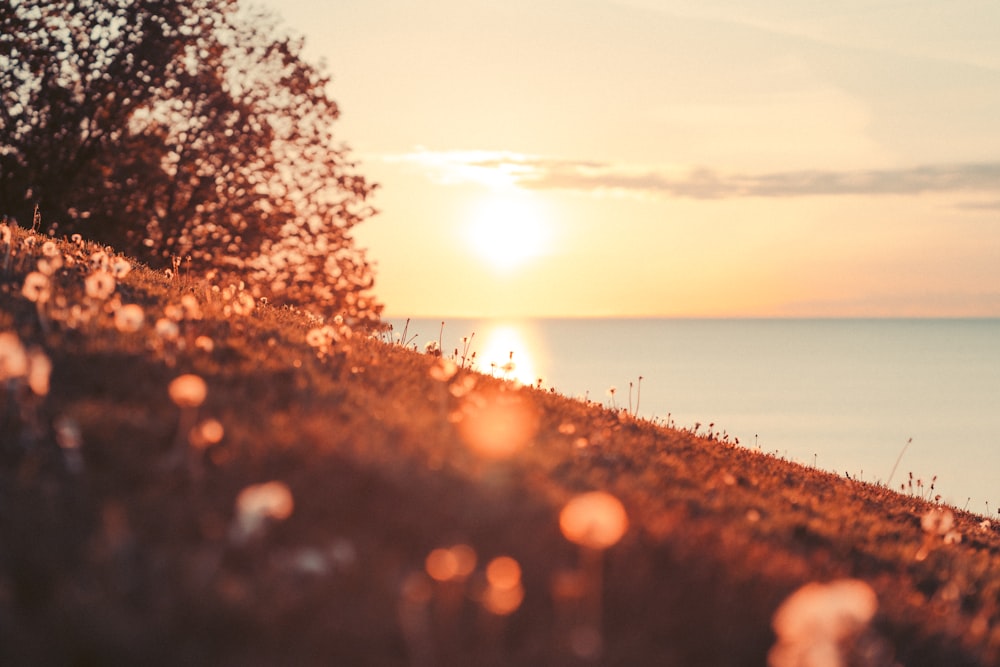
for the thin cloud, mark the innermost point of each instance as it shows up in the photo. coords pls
(711, 184)
(591, 176)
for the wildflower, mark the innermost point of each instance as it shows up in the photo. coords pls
(36, 287)
(259, 503)
(129, 318)
(99, 284)
(815, 623)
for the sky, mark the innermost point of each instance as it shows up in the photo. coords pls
(647, 158)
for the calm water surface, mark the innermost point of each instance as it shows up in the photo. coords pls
(846, 394)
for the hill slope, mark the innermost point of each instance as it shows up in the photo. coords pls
(128, 536)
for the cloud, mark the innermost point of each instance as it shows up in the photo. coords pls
(544, 173)
(711, 184)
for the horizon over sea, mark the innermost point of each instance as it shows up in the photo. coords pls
(845, 395)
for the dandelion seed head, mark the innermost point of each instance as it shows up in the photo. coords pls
(36, 287)
(129, 318)
(99, 284)
(814, 622)
(120, 267)
(937, 521)
(443, 369)
(167, 329)
(49, 265)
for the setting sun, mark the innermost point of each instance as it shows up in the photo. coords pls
(508, 230)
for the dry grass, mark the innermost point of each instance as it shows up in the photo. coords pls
(133, 558)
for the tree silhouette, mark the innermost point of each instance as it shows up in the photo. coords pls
(190, 129)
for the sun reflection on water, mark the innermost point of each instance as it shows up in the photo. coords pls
(510, 351)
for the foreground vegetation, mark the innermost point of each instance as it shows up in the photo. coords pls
(191, 476)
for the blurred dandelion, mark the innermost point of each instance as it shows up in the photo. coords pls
(206, 433)
(415, 595)
(816, 623)
(453, 563)
(443, 369)
(504, 592)
(188, 391)
(99, 285)
(129, 318)
(70, 440)
(567, 428)
(13, 357)
(496, 424)
(595, 521)
(167, 329)
(36, 288)
(120, 267)
(937, 522)
(259, 503)
(39, 371)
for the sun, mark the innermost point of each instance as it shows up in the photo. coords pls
(508, 230)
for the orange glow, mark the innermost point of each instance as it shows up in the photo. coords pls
(441, 565)
(503, 572)
(496, 424)
(188, 391)
(451, 563)
(596, 520)
(503, 601)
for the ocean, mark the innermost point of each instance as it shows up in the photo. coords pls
(845, 395)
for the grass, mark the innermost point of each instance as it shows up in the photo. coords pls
(113, 551)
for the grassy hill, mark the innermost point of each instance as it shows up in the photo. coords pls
(336, 498)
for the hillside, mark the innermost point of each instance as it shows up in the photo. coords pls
(335, 498)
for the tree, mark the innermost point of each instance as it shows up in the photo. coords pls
(188, 129)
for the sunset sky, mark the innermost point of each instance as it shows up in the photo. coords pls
(672, 158)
